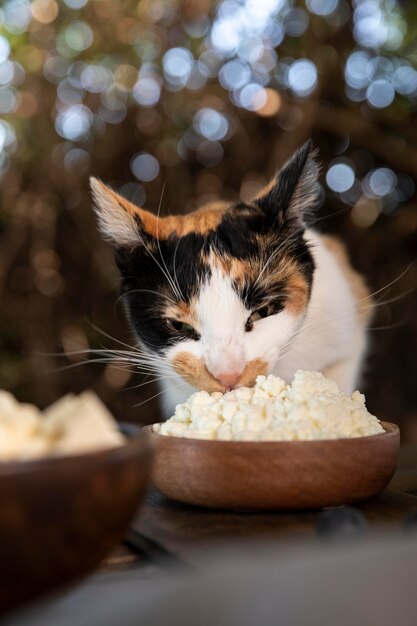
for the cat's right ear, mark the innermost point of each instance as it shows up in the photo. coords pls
(293, 194)
(120, 221)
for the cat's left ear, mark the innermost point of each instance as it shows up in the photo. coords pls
(295, 190)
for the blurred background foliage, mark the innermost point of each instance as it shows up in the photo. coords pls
(204, 100)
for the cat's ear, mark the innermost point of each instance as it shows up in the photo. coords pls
(120, 221)
(294, 192)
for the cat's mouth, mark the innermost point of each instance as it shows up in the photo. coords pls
(195, 372)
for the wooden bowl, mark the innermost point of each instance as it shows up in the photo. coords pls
(285, 475)
(60, 516)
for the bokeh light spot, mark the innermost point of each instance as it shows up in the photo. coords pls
(322, 7)
(379, 182)
(404, 79)
(45, 11)
(96, 78)
(144, 166)
(272, 104)
(8, 100)
(356, 69)
(147, 92)
(225, 35)
(4, 49)
(78, 36)
(16, 15)
(380, 94)
(211, 124)
(74, 122)
(234, 74)
(302, 77)
(340, 177)
(296, 22)
(7, 135)
(252, 97)
(177, 64)
(6, 72)
(75, 4)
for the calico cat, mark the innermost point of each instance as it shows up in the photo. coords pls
(231, 291)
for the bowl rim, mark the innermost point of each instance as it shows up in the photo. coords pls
(29, 465)
(390, 430)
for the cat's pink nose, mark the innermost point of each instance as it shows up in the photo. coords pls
(229, 379)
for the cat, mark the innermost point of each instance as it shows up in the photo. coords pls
(232, 291)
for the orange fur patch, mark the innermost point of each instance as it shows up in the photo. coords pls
(182, 312)
(298, 292)
(201, 221)
(254, 368)
(357, 284)
(238, 270)
(195, 372)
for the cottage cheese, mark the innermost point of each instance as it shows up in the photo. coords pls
(72, 425)
(311, 407)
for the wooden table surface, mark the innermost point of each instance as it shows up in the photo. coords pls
(168, 541)
(167, 533)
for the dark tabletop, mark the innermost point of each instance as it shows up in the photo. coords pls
(168, 541)
(166, 532)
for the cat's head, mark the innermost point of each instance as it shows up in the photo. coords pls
(220, 292)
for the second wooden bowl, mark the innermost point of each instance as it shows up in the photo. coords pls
(59, 516)
(274, 475)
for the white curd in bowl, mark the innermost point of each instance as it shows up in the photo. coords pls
(312, 407)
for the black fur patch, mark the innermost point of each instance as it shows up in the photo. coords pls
(147, 291)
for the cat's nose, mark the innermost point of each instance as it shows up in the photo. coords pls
(229, 379)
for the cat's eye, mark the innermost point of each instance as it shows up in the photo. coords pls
(259, 314)
(181, 327)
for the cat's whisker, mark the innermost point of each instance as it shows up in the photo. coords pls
(388, 285)
(89, 362)
(328, 215)
(114, 357)
(322, 327)
(134, 348)
(168, 276)
(141, 355)
(174, 279)
(156, 293)
(174, 265)
(164, 272)
(323, 331)
(141, 365)
(184, 384)
(152, 380)
(105, 334)
(369, 303)
(116, 354)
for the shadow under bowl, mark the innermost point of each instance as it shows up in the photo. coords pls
(59, 516)
(279, 475)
